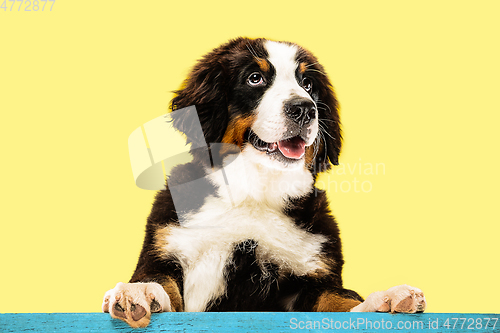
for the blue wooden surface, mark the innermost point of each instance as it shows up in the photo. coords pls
(255, 322)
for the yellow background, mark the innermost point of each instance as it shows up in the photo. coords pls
(419, 87)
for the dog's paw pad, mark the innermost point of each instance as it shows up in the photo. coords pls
(137, 311)
(134, 302)
(119, 311)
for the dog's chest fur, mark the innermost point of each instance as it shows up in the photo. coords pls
(242, 213)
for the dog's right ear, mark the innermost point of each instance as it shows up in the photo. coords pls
(206, 88)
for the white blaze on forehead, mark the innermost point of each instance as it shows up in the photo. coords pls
(282, 57)
(270, 121)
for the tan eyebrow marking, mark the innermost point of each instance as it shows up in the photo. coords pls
(302, 67)
(263, 64)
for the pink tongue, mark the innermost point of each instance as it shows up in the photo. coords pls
(292, 148)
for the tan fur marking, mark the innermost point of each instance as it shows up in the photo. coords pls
(302, 67)
(263, 64)
(331, 302)
(172, 289)
(236, 129)
(170, 285)
(309, 155)
(161, 240)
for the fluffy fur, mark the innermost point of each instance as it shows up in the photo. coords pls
(256, 234)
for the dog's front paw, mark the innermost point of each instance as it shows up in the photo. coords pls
(396, 299)
(134, 302)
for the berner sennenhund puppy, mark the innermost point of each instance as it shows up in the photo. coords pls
(247, 229)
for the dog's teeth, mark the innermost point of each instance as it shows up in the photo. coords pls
(272, 146)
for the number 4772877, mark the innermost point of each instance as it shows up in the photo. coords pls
(471, 323)
(27, 5)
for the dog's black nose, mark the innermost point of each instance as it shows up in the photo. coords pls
(300, 110)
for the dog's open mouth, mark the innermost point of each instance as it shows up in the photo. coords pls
(293, 148)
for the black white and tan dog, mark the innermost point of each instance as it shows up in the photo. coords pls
(258, 236)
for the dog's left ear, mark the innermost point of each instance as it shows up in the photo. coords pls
(329, 124)
(206, 89)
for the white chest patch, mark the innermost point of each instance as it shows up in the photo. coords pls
(244, 210)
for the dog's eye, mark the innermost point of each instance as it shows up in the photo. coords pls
(255, 79)
(307, 84)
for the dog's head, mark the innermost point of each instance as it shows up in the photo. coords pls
(272, 99)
